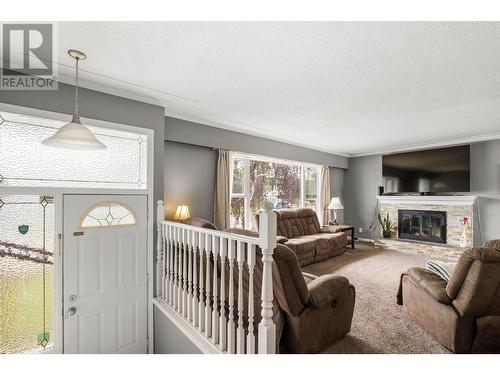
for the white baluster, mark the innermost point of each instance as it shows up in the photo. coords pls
(180, 249)
(267, 239)
(194, 302)
(190, 276)
(208, 308)
(231, 329)
(251, 254)
(201, 305)
(240, 332)
(215, 310)
(181, 273)
(160, 216)
(163, 263)
(176, 272)
(166, 245)
(171, 260)
(174, 269)
(184, 274)
(222, 314)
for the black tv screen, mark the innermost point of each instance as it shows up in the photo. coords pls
(442, 170)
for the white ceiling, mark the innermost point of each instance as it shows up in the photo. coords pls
(344, 87)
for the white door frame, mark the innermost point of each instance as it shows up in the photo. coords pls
(58, 193)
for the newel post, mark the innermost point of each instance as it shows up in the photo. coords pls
(160, 273)
(267, 239)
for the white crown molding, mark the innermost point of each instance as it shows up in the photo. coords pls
(165, 100)
(252, 130)
(442, 200)
(423, 146)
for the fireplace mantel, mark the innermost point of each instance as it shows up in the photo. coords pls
(444, 200)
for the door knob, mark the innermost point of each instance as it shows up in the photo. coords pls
(72, 311)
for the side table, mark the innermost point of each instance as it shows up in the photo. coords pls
(343, 228)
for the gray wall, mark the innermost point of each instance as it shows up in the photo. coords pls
(485, 182)
(360, 190)
(100, 106)
(190, 163)
(197, 134)
(169, 339)
(189, 178)
(365, 175)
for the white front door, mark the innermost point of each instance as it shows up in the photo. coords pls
(105, 274)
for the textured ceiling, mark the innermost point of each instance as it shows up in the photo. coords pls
(344, 87)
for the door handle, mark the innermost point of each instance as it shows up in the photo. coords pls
(72, 311)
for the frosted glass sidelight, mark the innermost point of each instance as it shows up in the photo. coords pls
(108, 214)
(26, 273)
(24, 161)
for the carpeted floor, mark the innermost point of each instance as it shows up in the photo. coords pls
(379, 325)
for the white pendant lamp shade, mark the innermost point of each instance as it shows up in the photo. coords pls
(74, 135)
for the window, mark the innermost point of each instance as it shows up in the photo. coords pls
(24, 161)
(256, 180)
(26, 273)
(108, 214)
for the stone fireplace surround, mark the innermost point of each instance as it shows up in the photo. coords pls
(456, 207)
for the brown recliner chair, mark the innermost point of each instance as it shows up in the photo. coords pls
(463, 314)
(317, 310)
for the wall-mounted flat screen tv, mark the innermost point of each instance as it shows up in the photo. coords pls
(441, 170)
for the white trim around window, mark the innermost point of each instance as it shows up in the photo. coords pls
(245, 193)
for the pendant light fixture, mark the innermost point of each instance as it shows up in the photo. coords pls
(75, 135)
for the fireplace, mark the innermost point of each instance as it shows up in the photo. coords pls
(426, 226)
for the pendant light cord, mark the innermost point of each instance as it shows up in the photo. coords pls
(76, 89)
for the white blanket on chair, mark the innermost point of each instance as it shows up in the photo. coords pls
(442, 269)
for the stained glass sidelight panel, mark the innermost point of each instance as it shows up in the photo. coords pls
(26, 273)
(24, 161)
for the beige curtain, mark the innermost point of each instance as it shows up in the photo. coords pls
(222, 191)
(325, 192)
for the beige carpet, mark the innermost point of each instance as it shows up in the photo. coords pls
(379, 325)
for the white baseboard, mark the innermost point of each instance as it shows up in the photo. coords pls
(369, 240)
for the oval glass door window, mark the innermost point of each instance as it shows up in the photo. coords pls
(108, 214)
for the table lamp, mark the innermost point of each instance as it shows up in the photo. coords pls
(335, 205)
(182, 213)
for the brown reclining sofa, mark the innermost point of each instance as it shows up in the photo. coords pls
(310, 312)
(299, 229)
(464, 313)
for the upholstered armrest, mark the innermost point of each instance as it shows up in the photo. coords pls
(325, 289)
(242, 232)
(493, 243)
(431, 283)
(281, 239)
(330, 229)
(251, 233)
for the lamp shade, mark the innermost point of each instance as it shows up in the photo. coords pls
(335, 204)
(74, 136)
(182, 212)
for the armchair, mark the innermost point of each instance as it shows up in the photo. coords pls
(317, 310)
(463, 314)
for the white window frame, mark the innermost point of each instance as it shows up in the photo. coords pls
(58, 194)
(233, 155)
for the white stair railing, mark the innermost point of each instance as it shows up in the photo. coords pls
(207, 277)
